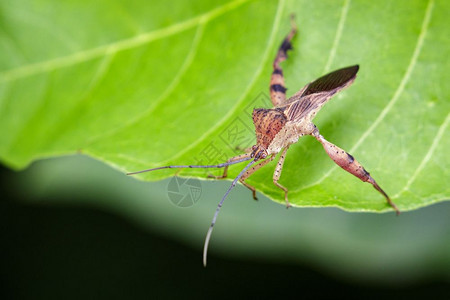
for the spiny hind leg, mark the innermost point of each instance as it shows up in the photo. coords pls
(277, 86)
(351, 165)
(277, 175)
(225, 170)
(252, 170)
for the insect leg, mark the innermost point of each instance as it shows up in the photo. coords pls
(225, 170)
(277, 86)
(222, 165)
(219, 206)
(277, 174)
(252, 170)
(351, 165)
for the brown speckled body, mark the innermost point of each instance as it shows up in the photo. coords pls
(268, 123)
(281, 126)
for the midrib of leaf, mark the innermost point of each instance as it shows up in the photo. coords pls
(139, 40)
(220, 122)
(395, 97)
(337, 38)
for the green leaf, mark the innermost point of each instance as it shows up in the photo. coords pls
(141, 85)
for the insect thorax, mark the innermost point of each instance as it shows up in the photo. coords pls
(268, 122)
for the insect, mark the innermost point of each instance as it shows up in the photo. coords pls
(281, 126)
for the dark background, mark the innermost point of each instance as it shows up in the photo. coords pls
(52, 250)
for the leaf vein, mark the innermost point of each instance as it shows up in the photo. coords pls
(398, 92)
(338, 35)
(427, 156)
(144, 38)
(169, 89)
(258, 72)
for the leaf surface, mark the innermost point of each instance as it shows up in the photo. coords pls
(140, 85)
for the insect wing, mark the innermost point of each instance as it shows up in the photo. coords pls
(334, 81)
(310, 99)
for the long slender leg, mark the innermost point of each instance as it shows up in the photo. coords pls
(277, 174)
(222, 165)
(252, 170)
(351, 165)
(277, 86)
(225, 170)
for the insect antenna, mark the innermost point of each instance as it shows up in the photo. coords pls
(208, 235)
(194, 166)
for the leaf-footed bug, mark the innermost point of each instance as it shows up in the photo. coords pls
(279, 127)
